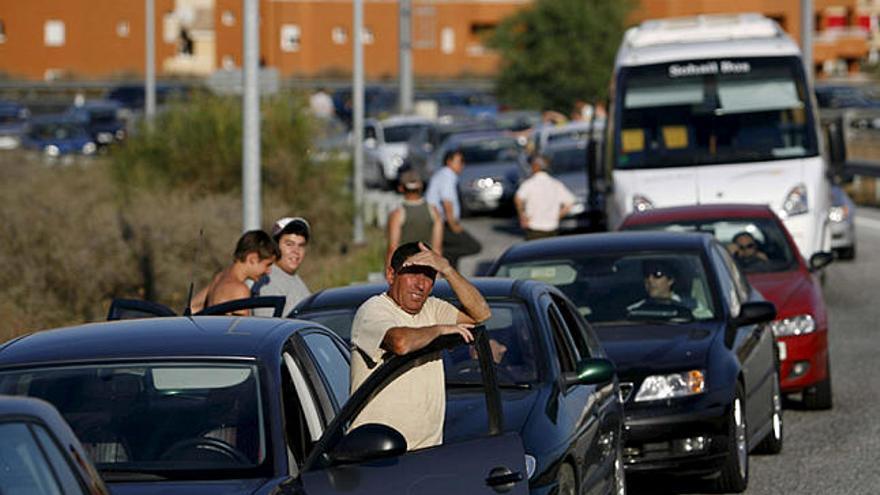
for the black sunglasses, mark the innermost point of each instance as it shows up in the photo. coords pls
(656, 274)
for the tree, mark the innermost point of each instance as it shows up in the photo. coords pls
(556, 52)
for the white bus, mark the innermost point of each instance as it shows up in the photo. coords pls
(716, 109)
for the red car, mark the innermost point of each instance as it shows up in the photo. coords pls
(767, 254)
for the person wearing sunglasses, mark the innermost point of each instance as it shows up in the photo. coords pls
(659, 282)
(745, 250)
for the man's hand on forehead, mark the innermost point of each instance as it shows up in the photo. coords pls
(430, 259)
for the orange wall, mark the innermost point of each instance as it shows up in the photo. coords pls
(91, 49)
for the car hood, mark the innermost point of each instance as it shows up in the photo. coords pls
(787, 290)
(646, 349)
(466, 415)
(576, 182)
(222, 487)
(507, 170)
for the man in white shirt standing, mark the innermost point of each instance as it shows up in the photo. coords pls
(541, 201)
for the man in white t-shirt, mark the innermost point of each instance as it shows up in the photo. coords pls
(402, 320)
(541, 201)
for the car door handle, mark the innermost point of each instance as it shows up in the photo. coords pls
(502, 479)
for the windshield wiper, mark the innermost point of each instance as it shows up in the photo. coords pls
(111, 474)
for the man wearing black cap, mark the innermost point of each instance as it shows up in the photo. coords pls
(292, 236)
(415, 220)
(404, 319)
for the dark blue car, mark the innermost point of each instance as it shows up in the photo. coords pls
(58, 135)
(245, 405)
(689, 337)
(545, 353)
(101, 119)
(39, 454)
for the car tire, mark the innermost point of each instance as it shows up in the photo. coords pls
(847, 253)
(772, 443)
(566, 484)
(734, 475)
(819, 397)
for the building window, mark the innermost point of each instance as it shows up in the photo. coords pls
(53, 33)
(290, 37)
(227, 18)
(424, 27)
(447, 40)
(170, 28)
(2, 32)
(123, 29)
(367, 36)
(339, 35)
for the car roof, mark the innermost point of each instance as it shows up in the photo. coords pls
(162, 337)
(606, 243)
(355, 295)
(698, 212)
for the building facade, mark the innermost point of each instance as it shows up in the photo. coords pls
(100, 39)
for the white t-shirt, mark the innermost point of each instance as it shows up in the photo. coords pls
(415, 402)
(543, 196)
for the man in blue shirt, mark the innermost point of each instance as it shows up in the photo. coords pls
(443, 194)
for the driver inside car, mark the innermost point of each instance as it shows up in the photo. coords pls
(659, 279)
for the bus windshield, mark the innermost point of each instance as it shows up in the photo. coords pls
(717, 111)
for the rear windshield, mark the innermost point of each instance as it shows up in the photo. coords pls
(158, 419)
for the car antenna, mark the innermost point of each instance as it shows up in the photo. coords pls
(187, 311)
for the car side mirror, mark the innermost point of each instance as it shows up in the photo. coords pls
(820, 260)
(755, 312)
(590, 372)
(368, 442)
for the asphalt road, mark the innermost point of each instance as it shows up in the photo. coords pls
(825, 452)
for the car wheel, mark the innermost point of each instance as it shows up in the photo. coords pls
(565, 480)
(772, 443)
(619, 487)
(734, 475)
(847, 253)
(818, 396)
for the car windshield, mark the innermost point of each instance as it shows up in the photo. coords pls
(490, 150)
(402, 133)
(757, 244)
(511, 337)
(664, 287)
(102, 116)
(567, 160)
(156, 419)
(713, 111)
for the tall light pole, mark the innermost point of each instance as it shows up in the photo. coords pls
(357, 102)
(406, 69)
(807, 29)
(150, 64)
(250, 168)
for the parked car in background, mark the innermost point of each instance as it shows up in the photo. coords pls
(697, 366)
(569, 163)
(13, 124)
(386, 147)
(548, 134)
(494, 165)
(773, 266)
(39, 454)
(571, 428)
(57, 135)
(424, 146)
(102, 120)
(246, 405)
(842, 215)
(131, 97)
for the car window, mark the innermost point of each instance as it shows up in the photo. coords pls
(66, 476)
(23, 466)
(338, 320)
(139, 417)
(756, 244)
(331, 363)
(728, 289)
(587, 344)
(562, 341)
(613, 288)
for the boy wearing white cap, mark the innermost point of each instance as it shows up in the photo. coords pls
(292, 235)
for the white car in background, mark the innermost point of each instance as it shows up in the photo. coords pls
(385, 147)
(842, 219)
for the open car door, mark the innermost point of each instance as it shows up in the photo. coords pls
(373, 459)
(124, 309)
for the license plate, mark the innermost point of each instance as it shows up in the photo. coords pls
(783, 351)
